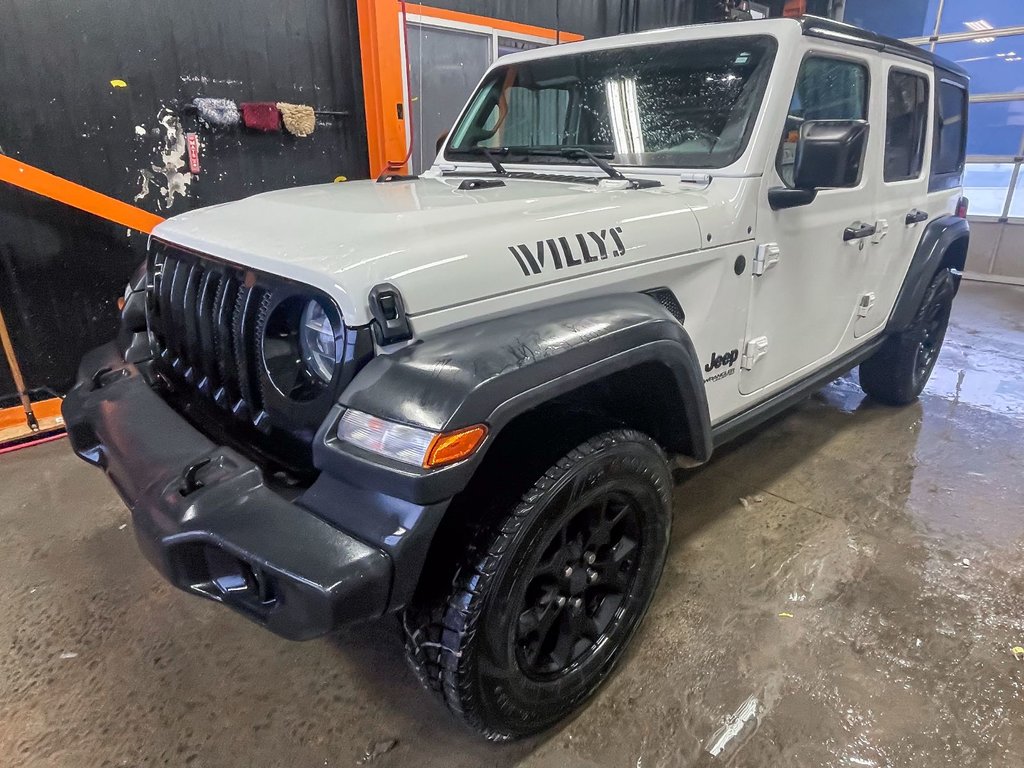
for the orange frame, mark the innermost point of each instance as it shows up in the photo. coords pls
(380, 42)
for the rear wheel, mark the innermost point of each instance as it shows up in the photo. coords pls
(550, 593)
(898, 371)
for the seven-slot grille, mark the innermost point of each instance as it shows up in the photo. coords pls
(204, 315)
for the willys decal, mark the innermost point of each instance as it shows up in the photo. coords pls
(570, 251)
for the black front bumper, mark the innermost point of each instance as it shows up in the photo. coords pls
(207, 519)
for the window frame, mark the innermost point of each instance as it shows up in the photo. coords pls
(865, 64)
(771, 63)
(938, 181)
(926, 124)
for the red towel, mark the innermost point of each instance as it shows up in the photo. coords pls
(261, 116)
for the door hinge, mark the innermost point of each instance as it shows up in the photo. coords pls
(767, 256)
(867, 301)
(881, 230)
(754, 351)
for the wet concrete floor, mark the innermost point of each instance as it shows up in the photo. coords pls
(851, 577)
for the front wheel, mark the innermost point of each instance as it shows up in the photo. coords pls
(898, 371)
(550, 593)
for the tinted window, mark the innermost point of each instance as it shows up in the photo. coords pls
(826, 89)
(950, 129)
(687, 104)
(906, 115)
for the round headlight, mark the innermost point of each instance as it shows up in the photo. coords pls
(317, 341)
(300, 347)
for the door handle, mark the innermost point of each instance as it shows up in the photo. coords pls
(858, 230)
(916, 216)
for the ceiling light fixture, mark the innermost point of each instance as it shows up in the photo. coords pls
(978, 25)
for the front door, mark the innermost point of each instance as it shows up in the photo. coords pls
(803, 305)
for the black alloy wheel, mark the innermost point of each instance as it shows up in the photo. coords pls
(550, 590)
(897, 373)
(930, 327)
(575, 591)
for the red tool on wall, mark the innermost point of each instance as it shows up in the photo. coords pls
(192, 143)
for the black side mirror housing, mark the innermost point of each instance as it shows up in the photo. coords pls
(785, 197)
(829, 155)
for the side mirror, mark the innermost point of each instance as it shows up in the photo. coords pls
(440, 141)
(829, 155)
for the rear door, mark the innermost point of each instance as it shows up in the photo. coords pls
(802, 306)
(901, 192)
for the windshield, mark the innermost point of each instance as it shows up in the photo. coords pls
(683, 105)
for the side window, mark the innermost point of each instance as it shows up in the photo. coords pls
(826, 89)
(950, 129)
(906, 118)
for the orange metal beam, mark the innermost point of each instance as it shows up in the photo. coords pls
(380, 51)
(485, 21)
(380, 44)
(68, 192)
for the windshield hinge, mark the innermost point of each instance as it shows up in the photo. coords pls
(692, 177)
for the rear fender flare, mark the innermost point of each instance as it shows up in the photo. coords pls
(939, 236)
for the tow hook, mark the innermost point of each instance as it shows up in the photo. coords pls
(191, 483)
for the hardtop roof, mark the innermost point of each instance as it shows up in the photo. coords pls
(813, 26)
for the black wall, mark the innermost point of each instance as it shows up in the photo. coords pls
(61, 270)
(590, 18)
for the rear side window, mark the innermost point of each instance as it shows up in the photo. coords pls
(906, 118)
(826, 89)
(950, 129)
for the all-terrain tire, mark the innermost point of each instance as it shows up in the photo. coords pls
(605, 508)
(898, 371)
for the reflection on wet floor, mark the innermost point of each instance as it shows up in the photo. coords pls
(845, 588)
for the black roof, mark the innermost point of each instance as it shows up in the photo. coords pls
(847, 33)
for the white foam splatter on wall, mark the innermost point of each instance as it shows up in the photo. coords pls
(168, 176)
(209, 80)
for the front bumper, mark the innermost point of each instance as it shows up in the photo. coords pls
(206, 518)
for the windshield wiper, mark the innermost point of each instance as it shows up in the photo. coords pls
(598, 159)
(487, 152)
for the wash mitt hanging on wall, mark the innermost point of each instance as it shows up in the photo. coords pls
(261, 116)
(221, 113)
(299, 119)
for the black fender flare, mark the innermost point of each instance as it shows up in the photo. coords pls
(492, 371)
(938, 237)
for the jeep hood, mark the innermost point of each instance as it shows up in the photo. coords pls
(441, 246)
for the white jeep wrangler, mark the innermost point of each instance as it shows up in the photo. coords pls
(453, 397)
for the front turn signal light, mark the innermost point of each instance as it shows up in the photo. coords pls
(454, 446)
(408, 444)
